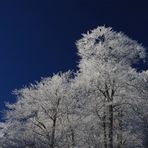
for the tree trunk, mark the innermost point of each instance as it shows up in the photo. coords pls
(145, 133)
(120, 130)
(73, 138)
(52, 142)
(53, 134)
(110, 127)
(104, 131)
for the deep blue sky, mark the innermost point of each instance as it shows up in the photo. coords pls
(37, 37)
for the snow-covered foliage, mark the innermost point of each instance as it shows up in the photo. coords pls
(103, 105)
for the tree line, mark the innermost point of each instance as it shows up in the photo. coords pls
(102, 105)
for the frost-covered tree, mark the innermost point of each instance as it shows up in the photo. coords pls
(106, 65)
(103, 105)
(44, 110)
(141, 108)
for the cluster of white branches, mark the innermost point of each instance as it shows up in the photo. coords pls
(103, 105)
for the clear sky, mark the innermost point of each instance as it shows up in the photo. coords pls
(37, 37)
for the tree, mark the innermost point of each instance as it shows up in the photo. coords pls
(106, 64)
(141, 108)
(43, 108)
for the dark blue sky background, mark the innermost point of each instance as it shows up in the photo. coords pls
(37, 37)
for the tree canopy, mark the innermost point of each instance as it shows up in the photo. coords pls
(103, 105)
